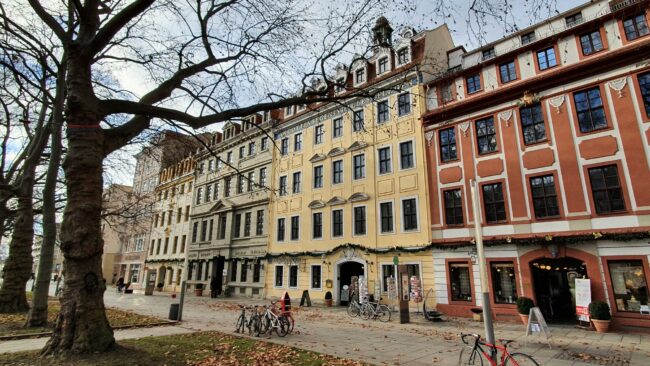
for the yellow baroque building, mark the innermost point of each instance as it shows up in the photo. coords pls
(349, 181)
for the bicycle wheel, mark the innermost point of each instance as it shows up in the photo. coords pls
(241, 323)
(384, 313)
(283, 326)
(292, 322)
(265, 324)
(256, 326)
(470, 357)
(366, 312)
(520, 359)
(353, 310)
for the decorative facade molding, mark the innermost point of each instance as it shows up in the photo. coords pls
(505, 116)
(618, 85)
(464, 127)
(556, 102)
(429, 137)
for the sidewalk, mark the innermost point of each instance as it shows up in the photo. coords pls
(331, 331)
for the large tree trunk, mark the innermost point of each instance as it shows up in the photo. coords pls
(37, 316)
(82, 326)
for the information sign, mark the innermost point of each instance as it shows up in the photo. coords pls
(583, 298)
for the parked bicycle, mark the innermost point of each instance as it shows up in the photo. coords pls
(375, 310)
(273, 320)
(477, 353)
(241, 321)
(354, 308)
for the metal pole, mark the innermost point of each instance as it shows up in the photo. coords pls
(186, 268)
(485, 290)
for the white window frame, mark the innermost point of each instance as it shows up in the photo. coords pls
(288, 111)
(365, 76)
(399, 148)
(417, 214)
(354, 234)
(275, 275)
(408, 55)
(322, 231)
(390, 149)
(388, 64)
(394, 231)
(291, 228)
(342, 222)
(381, 273)
(289, 276)
(311, 270)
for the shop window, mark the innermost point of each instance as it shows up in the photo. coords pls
(486, 136)
(591, 43)
(504, 283)
(413, 270)
(532, 124)
(461, 287)
(448, 149)
(473, 83)
(628, 284)
(293, 276)
(279, 276)
(635, 27)
(606, 189)
(316, 271)
(546, 58)
(387, 271)
(544, 196)
(453, 207)
(495, 208)
(508, 72)
(589, 106)
(644, 84)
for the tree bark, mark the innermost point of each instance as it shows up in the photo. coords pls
(37, 316)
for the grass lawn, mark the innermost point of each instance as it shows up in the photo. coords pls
(12, 324)
(197, 349)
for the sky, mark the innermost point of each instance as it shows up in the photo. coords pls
(466, 29)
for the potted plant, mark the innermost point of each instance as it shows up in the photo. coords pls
(328, 299)
(477, 314)
(159, 286)
(600, 315)
(524, 304)
(198, 289)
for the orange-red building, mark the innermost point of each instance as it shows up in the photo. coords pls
(553, 123)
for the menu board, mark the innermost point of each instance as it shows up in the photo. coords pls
(416, 290)
(583, 298)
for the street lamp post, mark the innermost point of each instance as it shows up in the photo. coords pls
(181, 299)
(485, 291)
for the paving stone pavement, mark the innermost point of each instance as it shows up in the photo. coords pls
(331, 331)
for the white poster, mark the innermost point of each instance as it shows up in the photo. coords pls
(583, 298)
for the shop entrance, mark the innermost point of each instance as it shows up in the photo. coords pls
(217, 275)
(554, 284)
(346, 271)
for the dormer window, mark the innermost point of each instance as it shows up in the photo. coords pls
(574, 19)
(527, 38)
(266, 116)
(288, 111)
(488, 54)
(360, 76)
(340, 85)
(301, 107)
(382, 65)
(403, 56)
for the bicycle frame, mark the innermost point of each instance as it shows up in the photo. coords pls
(494, 351)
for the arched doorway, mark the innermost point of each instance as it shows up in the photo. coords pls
(554, 286)
(346, 271)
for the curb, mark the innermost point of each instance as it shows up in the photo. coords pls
(119, 327)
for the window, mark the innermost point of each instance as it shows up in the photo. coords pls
(183, 241)
(226, 187)
(317, 225)
(319, 131)
(295, 227)
(229, 157)
(504, 284)
(223, 220)
(262, 177)
(217, 187)
(527, 38)
(486, 136)
(240, 183)
(281, 229)
(293, 276)
(473, 83)
(387, 274)
(382, 65)
(402, 56)
(166, 245)
(256, 272)
(591, 43)
(158, 246)
(413, 270)
(386, 217)
(337, 172)
(297, 142)
(316, 271)
(359, 166)
(210, 166)
(382, 112)
(318, 176)
(360, 220)
(606, 189)
(488, 54)
(532, 124)
(175, 245)
(403, 104)
(195, 232)
(495, 208)
(259, 223)
(242, 152)
(244, 272)
(406, 157)
(544, 196)
(357, 121)
(251, 148)
(162, 219)
(410, 212)
(573, 19)
(448, 150)
(248, 217)
(461, 287)
(288, 110)
(250, 181)
(447, 93)
(546, 58)
(340, 85)
(283, 185)
(199, 193)
(635, 27)
(187, 213)
(644, 85)
(264, 145)
(135, 273)
(629, 284)
(337, 223)
(284, 146)
(337, 127)
(453, 207)
(279, 275)
(360, 76)
(508, 72)
(208, 193)
(589, 106)
(296, 183)
(201, 168)
(384, 160)
(204, 230)
(237, 226)
(233, 270)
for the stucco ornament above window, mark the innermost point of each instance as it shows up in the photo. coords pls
(316, 204)
(556, 102)
(358, 197)
(505, 116)
(336, 151)
(464, 127)
(357, 145)
(336, 200)
(317, 157)
(618, 85)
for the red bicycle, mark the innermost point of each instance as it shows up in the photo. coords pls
(284, 313)
(476, 353)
